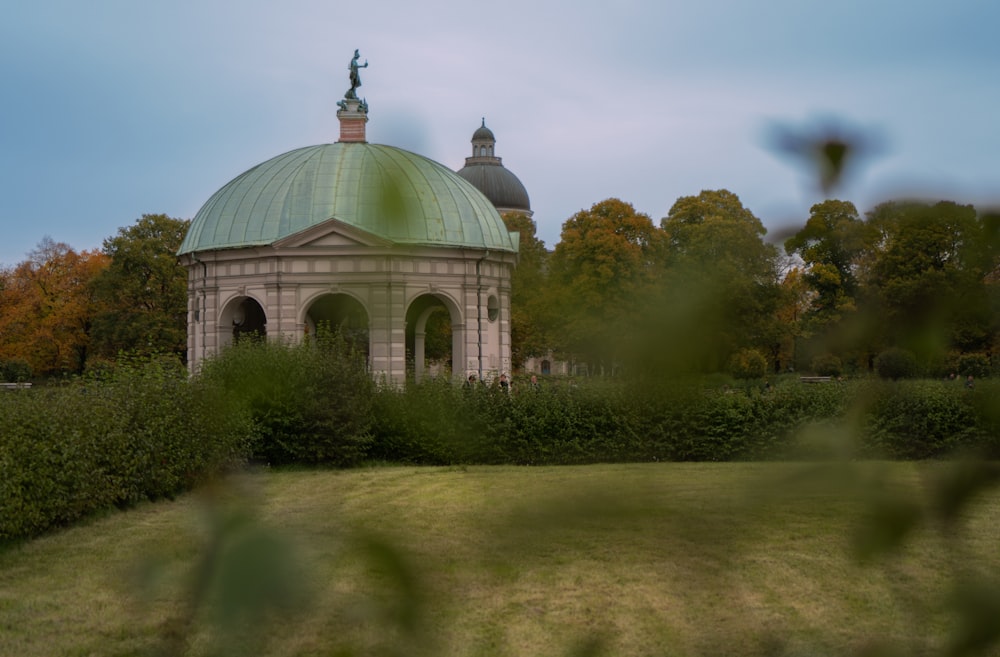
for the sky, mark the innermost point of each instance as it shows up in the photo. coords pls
(114, 109)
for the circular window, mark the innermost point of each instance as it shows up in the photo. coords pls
(493, 308)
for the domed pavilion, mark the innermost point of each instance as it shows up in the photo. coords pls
(367, 238)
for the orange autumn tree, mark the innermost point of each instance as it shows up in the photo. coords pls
(47, 306)
(600, 276)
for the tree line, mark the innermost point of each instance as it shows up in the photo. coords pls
(915, 283)
(64, 311)
(702, 291)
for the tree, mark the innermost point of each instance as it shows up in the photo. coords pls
(601, 274)
(47, 308)
(706, 207)
(720, 270)
(143, 291)
(795, 299)
(830, 244)
(528, 291)
(437, 335)
(833, 246)
(927, 278)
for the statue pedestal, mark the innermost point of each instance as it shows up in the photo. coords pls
(353, 115)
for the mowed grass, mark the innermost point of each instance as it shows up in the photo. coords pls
(655, 559)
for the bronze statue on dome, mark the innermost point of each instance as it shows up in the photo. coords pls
(355, 76)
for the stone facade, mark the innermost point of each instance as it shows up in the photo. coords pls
(280, 291)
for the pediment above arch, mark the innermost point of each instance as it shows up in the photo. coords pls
(332, 232)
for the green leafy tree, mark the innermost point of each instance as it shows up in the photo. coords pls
(830, 245)
(529, 301)
(143, 292)
(601, 275)
(927, 279)
(437, 337)
(710, 206)
(833, 246)
(724, 276)
(978, 328)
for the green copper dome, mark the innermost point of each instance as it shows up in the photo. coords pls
(391, 193)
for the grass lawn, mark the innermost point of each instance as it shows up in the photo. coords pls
(653, 559)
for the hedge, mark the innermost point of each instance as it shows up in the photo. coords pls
(436, 423)
(69, 451)
(147, 431)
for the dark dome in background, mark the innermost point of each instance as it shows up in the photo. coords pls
(499, 185)
(487, 174)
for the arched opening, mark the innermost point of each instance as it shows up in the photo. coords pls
(343, 314)
(546, 367)
(242, 319)
(433, 338)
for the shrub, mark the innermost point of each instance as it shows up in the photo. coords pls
(441, 423)
(144, 432)
(975, 365)
(564, 425)
(895, 363)
(748, 364)
(919, 420)
(164, 433)
(598, 422)
(432, 422)
(14, 371)
(310, 403)
(827, 365)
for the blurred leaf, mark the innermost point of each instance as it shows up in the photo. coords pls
(591, 646)
(403, 608)
(959, 483)
(829, 149)
(889, 522)
(256, 574)
(977, 603)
